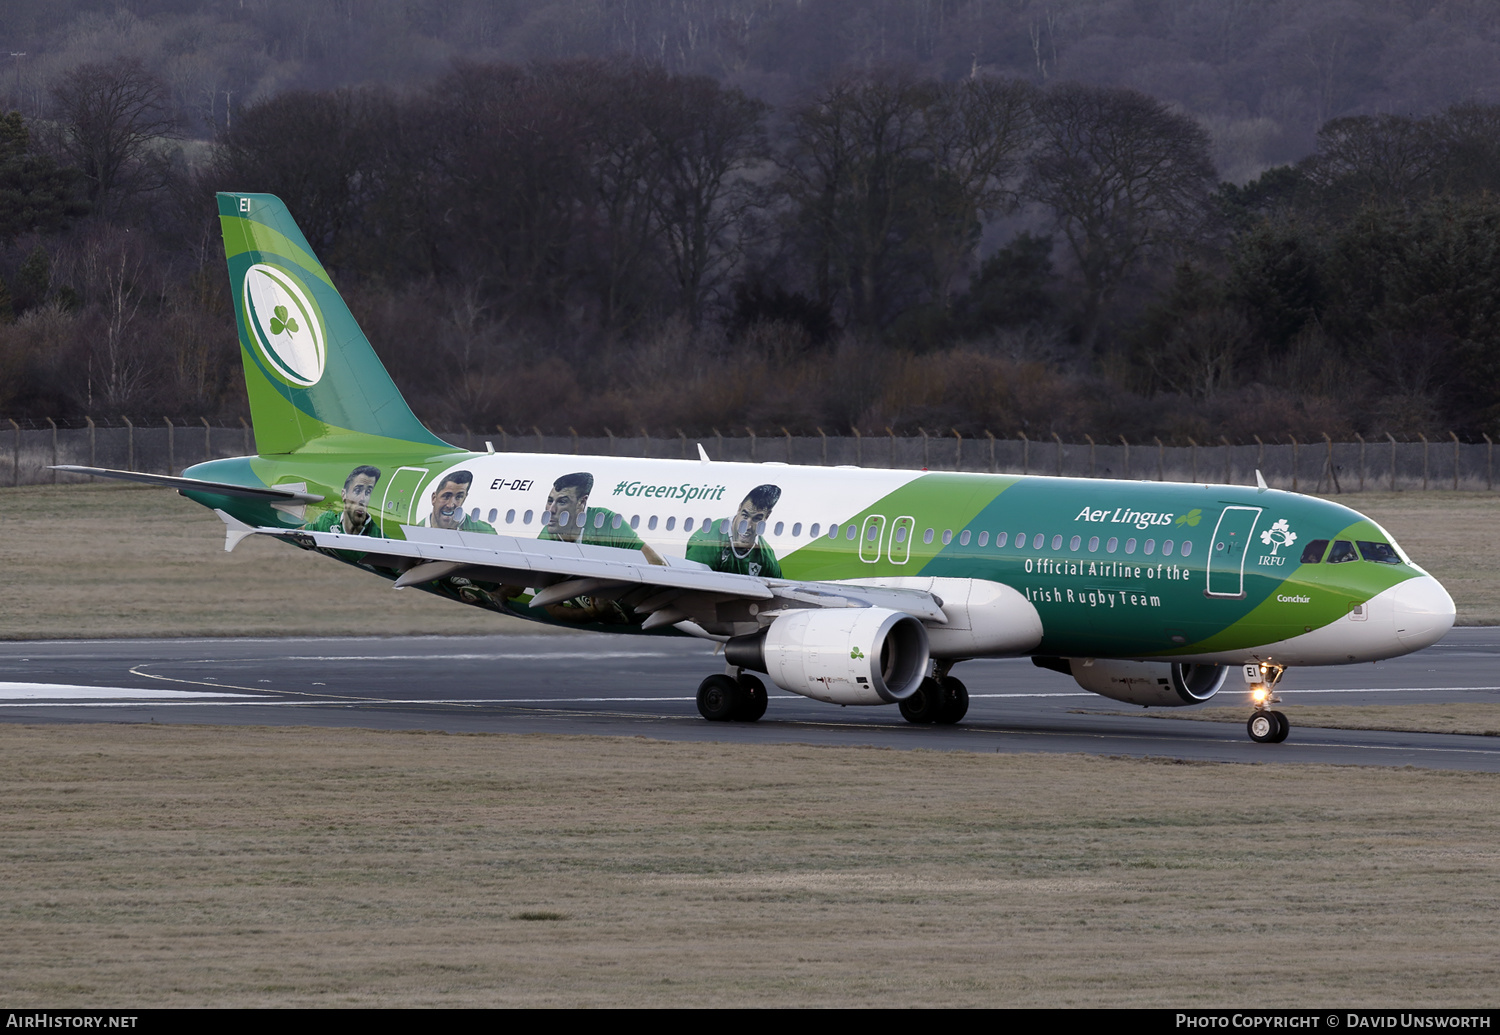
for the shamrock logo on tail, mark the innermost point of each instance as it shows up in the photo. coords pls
(1277, 536)
(282, 322)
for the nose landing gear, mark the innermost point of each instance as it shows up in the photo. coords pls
(1265, 726)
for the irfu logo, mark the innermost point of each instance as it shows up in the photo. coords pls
(1278, 535)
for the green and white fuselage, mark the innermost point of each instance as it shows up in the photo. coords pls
(848, 585)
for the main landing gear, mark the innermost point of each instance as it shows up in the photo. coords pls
(1266, 726)
(726, 698)
(941, 699)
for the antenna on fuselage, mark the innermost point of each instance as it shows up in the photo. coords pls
(703, 454)
(1260, 481)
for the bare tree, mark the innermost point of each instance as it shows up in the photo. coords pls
(111, 120)
(1124, 176)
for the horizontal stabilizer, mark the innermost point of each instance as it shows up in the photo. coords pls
(249, 492)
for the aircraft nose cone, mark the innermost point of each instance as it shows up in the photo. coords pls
(1423, 612)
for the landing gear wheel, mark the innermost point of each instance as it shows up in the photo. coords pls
(925, 705)
(1266, 728)
(1286, 727)
(719, 698)
(753, 700)
(955, 702)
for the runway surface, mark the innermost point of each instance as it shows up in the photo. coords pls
(644, 686)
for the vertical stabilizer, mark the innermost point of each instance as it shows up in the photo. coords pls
(309, 370)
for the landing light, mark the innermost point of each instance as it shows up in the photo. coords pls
(1259, 694)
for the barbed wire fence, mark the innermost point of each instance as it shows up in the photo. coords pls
(1317, 466)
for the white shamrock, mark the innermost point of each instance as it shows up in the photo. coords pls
(1277, 536)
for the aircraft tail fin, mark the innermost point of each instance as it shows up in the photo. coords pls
(310, 372)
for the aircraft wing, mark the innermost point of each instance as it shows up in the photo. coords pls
(680, 591)
(284, 494)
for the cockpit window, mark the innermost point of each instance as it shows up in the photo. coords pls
(1342, 551)
(1380, 553)
(1313, 552)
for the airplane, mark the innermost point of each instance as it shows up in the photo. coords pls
(846, 585)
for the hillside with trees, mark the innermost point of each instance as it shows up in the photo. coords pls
(1167, 219)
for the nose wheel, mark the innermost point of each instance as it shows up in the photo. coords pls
(1266, 726)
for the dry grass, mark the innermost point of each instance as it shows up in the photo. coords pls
(124, 560)
(112, 560)
(195, 866)
(1479, 719)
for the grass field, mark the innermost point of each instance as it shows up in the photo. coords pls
(126, 560)
(1479, 719)
(195, 866)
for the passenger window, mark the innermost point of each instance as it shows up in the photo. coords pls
(615, 522)
(1150, 547)
(1037, 540)
(1130, 546)
(1112, 545)
(874, 533)
(1093, 544)
(1342, 551)
(493, 513)
(900, 533)
(1020, 540)
(671, 522)
(635, 521)
(813, 531)
(526, 518)
(1187, 547)
(779, 526)
(797, 529)
(1000, 538)
(1312, 553)
(474, 513)
(833, 531)
(1057, 542)
(850, 532)
(510, 517)
(947, 536)
(744, 528)
(984, 539)
(652, 523)
(1166, 547)
(963, 538)
(927, 536)
(599, 521)
(1380, 553)
(1075, 542)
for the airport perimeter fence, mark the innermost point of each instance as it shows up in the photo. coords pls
(1318, 466)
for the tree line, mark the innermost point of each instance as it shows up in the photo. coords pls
(608, 244)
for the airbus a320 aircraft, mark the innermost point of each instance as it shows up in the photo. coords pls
(851, 586)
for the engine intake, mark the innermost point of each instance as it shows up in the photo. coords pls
(1152, 683)
(856, 655)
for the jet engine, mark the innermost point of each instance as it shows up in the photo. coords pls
(854, 655)
(1153, 683)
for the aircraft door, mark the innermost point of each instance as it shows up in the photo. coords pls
(1229, 549)
(899, 551)
(870, 537)
(400, 498)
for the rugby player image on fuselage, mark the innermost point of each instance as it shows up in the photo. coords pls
(569, 518)
(735, 544)
(354, 518)
(448, 498)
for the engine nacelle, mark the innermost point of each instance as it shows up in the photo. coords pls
(847, 655)
(1154, 683)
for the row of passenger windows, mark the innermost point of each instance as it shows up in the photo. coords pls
(1023, 540)
(1343, 551)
